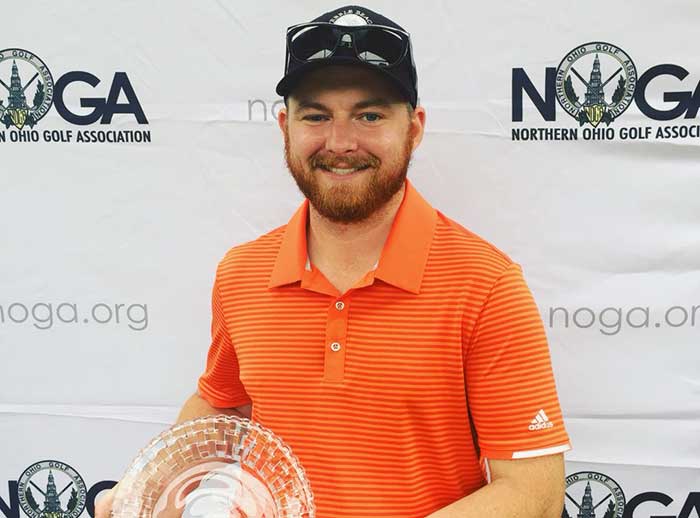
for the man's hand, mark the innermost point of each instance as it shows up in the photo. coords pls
(103, 506)
(532, 488)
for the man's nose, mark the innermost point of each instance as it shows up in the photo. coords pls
(341, 137)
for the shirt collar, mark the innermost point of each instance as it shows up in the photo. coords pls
(403, 258)
(307, 266)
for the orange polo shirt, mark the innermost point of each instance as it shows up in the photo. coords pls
(377, 390)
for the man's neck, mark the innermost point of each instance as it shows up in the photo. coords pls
(353, 247)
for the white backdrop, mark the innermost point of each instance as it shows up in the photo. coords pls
(108, 249)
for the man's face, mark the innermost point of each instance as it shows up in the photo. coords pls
(348, 140)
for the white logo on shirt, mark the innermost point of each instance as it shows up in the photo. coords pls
(540, 422)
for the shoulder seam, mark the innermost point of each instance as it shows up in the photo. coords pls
(450, 223)
(223, 313)
(241, 246)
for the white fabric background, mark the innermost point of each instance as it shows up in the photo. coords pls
(594, 224)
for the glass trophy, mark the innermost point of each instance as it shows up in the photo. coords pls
(215, 467)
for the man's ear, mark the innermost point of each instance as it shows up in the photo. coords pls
(418, 125)
(282, 119)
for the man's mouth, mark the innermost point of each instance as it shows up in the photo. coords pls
(343, 170)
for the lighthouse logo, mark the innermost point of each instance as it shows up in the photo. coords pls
(595, 83)
(26, 88)
(589, 491)
(51, 489)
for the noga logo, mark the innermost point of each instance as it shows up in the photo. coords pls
(51, 489)
(31, 92)
(587, 491)
(595, 83)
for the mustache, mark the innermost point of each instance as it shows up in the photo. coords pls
(345, 162)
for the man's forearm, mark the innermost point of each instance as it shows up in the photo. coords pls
(196, 406)
(500, 499)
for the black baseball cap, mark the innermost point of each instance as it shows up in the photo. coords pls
(401, 71)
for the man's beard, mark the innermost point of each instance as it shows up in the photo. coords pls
(344, 202)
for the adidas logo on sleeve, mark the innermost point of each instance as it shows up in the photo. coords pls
(540, 422)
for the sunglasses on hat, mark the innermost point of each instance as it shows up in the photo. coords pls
(378, 45)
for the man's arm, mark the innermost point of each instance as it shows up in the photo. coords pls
(523, 488)
(197, 406)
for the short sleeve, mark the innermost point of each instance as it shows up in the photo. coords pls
(220, 384)
(510, 384)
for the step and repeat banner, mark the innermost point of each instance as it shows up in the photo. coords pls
(138, 144)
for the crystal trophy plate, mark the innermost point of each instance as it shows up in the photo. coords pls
(215, 467)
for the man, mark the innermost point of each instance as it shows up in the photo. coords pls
(401, 356)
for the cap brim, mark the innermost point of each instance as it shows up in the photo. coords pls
(291, 80)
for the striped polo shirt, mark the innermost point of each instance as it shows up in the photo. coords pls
(395, 394)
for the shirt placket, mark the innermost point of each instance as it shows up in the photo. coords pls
(338, 312)
(336, 340)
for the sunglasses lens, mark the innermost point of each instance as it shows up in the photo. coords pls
(379, 46)
(374, 45)
(313, 43)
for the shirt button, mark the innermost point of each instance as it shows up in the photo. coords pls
(339, 305)
(335, 347)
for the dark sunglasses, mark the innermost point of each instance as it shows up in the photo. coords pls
(378, 45)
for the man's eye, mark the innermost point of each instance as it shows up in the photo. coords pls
(371, 117)
(314, 118)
